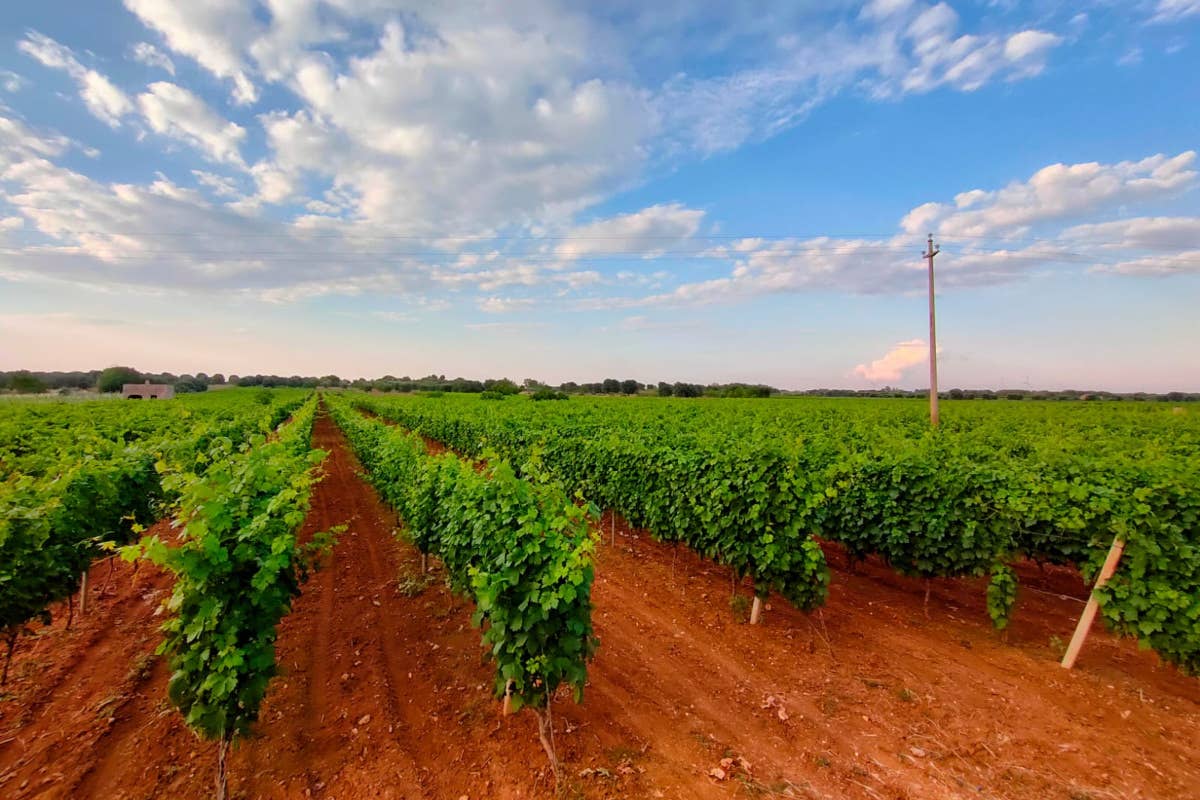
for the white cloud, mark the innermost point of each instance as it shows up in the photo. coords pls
(971, 225)
(274, 185)
(1143, 233)
(1174, 10)
(158, 235)
(220, 185)
(1179, 263)
(505, 305)
(895, 362)
(102, 98)
(487, 123)
(899, 47)
(881, 9)
(473, 116)
(644, 233)
(392, 316)
(452, 147)
(1059, 191)
(19, 142)
(151, 56)
(177, 113)
(1131, 58)
(11, 81)
(1030, 47)
(213, 32)
(505, 327)
(967, 62)
(639, 323)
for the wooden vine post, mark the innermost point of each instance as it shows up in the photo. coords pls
(1093, 604)
(508, 690)
(755, 610)
(83, 591)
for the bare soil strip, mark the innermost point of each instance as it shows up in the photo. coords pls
(386, 695)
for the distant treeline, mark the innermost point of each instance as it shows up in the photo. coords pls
(1004, 394)
(112, 378)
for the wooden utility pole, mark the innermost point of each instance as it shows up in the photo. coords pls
(933, 385)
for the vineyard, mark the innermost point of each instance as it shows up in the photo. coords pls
(754, 486)
(309, 580)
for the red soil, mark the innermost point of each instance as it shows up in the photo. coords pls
(386, 695)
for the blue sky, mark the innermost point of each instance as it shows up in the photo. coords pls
(569, 191)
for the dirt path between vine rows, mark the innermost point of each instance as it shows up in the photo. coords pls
(386, 695)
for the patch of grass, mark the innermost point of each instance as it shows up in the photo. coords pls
(108, 705)
(740, 606)
(140, 670)
(473, 711)
(1058, 645)
(414, 585)
(907, 696)
(753, 788)
(822, 761)
(703, 740)
(572, 791)
(623, 753)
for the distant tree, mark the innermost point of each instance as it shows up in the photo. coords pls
(188, 384)
(630, 387)
(217, 380)
(664, 389)
(330, 380)
(610, 386)
(25, 382)
(738, 390)
(203, 376)
(501, 385)
(233, 379)
(548, 394)
(114, 378)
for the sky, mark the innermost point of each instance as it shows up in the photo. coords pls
(678, 190)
